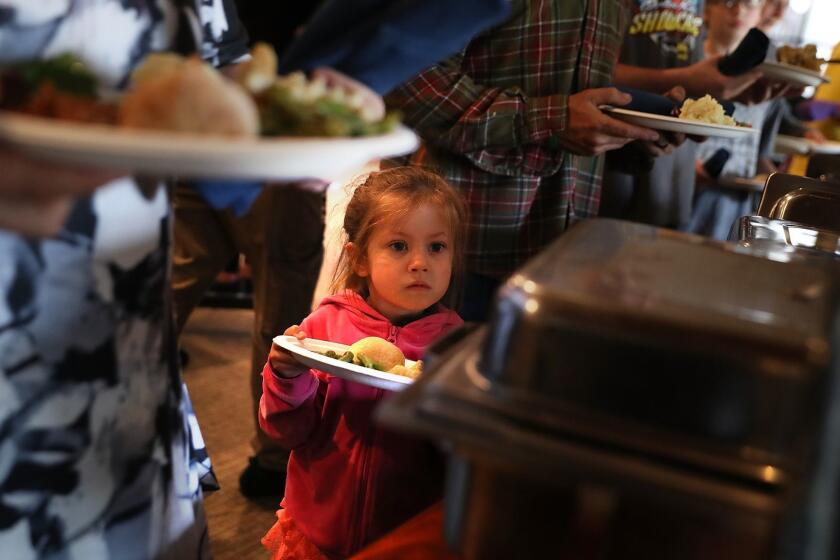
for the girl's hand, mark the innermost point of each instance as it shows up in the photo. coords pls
(282, 362)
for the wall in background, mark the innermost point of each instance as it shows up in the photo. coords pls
(810, 21)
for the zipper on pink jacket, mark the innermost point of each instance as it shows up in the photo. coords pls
(392, 334)
(363, 510)
(361, 498)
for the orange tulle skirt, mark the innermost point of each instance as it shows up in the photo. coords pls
(285, 541)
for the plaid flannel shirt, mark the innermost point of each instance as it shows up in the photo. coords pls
(489, 117)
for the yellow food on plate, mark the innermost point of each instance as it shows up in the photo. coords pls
(260, 71)
(707, 110)
(804, 57)
(187, 95)
(377, 353)
(412, 371)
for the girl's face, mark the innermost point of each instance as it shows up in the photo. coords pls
(730, 20)
(408, 263)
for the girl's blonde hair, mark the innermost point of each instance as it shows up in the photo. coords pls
(389, 195)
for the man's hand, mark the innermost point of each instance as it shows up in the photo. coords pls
(282, 362)
(815, 135)
(590, 132)
(36, 196)
(668, 141)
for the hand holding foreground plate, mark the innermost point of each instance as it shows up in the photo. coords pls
(36, 196)
(282, 362)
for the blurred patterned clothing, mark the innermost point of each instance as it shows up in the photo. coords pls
(745, 150)
(717, 208)
(489, 117)
(99, 453)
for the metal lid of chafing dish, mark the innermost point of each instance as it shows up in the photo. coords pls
(763, 234)
(637, 281)
(653, 341)
(803, 200)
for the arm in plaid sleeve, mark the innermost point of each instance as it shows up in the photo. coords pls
(501, 130)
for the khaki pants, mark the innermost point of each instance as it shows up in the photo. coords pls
(282, 238)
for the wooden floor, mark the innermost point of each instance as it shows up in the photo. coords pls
(218, 341)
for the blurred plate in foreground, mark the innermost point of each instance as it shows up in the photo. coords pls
(162, 153)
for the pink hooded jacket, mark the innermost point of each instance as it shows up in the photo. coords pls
(349, 481)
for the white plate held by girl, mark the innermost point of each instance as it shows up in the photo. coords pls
(310, 351)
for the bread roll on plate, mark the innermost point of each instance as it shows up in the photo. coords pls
(187, 95)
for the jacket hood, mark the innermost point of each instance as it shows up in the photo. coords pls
(365, 317)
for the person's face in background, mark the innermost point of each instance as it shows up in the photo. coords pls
(772, 13)
(729, 21)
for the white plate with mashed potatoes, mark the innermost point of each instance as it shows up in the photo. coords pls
(310, 352)
(192, 155)
(794, 75)
(701, 117)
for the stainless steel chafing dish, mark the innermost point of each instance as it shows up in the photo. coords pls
(798, 218)
(802, 200)
(641, 393)
(787, 241)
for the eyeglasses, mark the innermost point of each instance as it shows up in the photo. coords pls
(745, 3)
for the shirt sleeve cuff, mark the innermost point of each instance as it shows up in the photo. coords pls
(291, 391)
(545, 117)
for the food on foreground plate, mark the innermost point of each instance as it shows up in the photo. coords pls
(295, 105)
(707, 110)
(259, 72)
(187, 95)
(170, 92)
(805, 57)
(379, 354)
(60, 88)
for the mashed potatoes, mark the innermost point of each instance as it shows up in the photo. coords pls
(707, 110)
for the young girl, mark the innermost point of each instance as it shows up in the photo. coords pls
(349, 481)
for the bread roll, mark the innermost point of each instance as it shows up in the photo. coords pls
(381, 353)
(189, 96)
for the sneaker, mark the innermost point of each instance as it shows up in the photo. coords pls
(260, 482)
